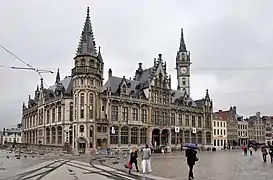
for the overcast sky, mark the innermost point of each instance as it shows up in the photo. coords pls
(229, 41)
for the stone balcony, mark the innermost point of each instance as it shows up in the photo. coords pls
(80, 70)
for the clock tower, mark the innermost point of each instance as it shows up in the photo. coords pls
(183, 67)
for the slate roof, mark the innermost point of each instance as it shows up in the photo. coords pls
(66, 83)
(136, 87)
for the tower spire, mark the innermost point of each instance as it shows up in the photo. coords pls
(58, 77)
(87, 45)
(182, 47)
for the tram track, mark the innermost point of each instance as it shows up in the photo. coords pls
(45, 170)
(116, 175)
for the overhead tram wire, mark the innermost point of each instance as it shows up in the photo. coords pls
(27, 64)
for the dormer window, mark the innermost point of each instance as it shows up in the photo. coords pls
(184, 81)
(124, 89)
(183, 57)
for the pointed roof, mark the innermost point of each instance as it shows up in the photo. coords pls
(58, 77)
(99, 55)
(182, 47)
(87, 44)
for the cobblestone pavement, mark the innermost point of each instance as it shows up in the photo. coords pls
(224, 165)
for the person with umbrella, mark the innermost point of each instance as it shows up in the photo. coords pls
(191, 157)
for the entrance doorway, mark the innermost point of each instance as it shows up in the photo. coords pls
(82, 145)
(165, 136)
(156, 137)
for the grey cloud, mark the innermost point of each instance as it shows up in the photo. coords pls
(224, 34)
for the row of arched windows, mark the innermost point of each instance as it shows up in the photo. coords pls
(137, 135)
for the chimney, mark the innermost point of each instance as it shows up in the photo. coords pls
(140, 66)
(159, 56)
(109, 73)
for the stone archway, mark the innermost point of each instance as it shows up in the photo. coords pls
(165, 137)
(156, 137)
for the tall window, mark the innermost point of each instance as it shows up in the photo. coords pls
(187, 120)
(144, 115)
(59, 135)
(199, 121)
(114, 135)
(81, 128)
(71, 111)
(193, 121)
(82, 105)
(47, 116)
(114, 113)
(53, 114)
(172, 119)
(82, 62)
(180, 119)
(183, 81)
(134, 135)
(59, 114)
(125, 114)
(164, 118)
(156, 98)
(164, 98)
(134, 114)
(143, 136)
(91, 105)
(124, 135)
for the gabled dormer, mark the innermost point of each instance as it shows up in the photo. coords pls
(159, 76)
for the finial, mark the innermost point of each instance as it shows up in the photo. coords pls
(88, 12)
(42, 83)
(99, 48)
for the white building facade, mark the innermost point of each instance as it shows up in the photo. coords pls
(242, 133)
(219, 127)
(13, 135)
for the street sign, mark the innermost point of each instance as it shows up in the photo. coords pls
(176, 129)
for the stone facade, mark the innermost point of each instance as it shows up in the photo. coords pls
(219, 126)
(85, 113)
(258, 127)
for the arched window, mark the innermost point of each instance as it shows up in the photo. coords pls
(53, 131)
(81, 128)
(193, 137)
(199, 137)
(114, 135)
(60, 135)
(187, 136)
(124, 135)
(82, 62)
(82, 105)
(134, 135)
(143, 136)
(91, 104)
(47, 136)
(208, 138)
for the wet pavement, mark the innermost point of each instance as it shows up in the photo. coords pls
(224, 165)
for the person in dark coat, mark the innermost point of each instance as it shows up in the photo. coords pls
(133, 159)
(191, 159)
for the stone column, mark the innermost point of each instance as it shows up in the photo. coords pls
(119, 136)
(160, 140)
(138, 136)
(129, 137)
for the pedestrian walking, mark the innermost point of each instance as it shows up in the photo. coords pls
(250, 150)
(146, 159)
(191, 159)
(264, 154)
(245, 150)
(133, 160)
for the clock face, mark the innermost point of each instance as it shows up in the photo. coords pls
(183, 70)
